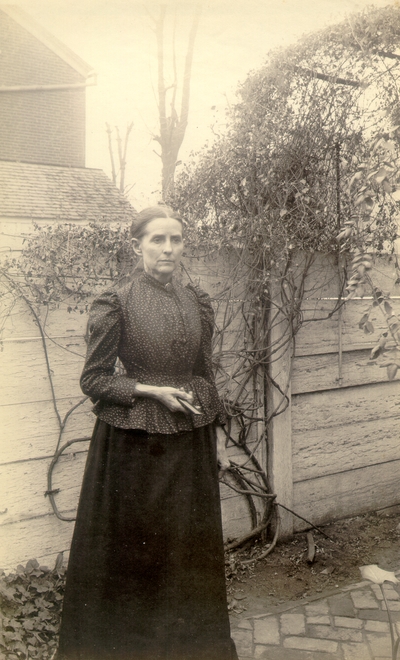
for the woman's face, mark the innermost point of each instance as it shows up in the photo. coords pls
(160, 247)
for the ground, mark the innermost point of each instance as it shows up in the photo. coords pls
(287, 575)
(254, 587)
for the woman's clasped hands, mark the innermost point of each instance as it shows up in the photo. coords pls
(168, 396)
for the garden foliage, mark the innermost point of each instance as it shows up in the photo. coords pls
(31, 603)
(307, 163)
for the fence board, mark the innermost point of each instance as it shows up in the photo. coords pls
(345, 407)
(384, 275)
(20, 322)
(32, 429)
(25, 377)
(321, 372)
(317, 453)
(322, 279)
(353, 336)
(320, 334)
(346, 454)
(38, 538)
(347, 494)
(235, 509)
(23, 486)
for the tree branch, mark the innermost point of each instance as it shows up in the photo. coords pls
(161, 81)
(110, 150)
(183, 119)
(328, 78)
(123, 158)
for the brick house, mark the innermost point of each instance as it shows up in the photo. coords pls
(42, 94)
(42, 130)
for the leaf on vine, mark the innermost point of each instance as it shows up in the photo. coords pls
(351, 293)
(355, 178)
(379, 347)
(378, 297)
(361, 270)
(388, 308)
(363, 320)
(381, 175)
(391, 371)
(359, 200)
(368, 328)
(344, 234)
(59, 561)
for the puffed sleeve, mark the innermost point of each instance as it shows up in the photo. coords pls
(203, 368)
(98, 379)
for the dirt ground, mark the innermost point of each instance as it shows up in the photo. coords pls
(288, 575)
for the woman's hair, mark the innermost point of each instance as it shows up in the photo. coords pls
(138, 226)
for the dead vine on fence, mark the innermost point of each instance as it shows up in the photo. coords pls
(304, 157)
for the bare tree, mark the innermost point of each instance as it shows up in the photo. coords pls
(173, 124)
(122, 148)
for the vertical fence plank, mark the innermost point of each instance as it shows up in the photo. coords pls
(279, 460)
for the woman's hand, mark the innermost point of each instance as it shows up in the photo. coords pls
(222, 454)
(165, 395)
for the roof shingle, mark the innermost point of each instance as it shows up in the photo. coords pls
(63, 194)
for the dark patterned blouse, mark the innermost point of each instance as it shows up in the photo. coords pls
(162, 336)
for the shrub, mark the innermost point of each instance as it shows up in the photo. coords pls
(31, 603)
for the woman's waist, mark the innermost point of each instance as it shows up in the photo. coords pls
(161, 379)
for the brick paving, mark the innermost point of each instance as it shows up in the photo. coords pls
(350, 624)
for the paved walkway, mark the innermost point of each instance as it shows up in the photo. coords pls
(351, 624)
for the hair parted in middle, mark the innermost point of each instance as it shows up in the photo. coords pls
(138, 226)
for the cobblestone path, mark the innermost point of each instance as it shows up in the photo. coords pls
(349, 625)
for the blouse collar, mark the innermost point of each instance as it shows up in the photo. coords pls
(168, 287)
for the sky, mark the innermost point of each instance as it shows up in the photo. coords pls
(116, 38)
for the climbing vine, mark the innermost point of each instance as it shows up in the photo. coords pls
(373, 228)
(307, 165)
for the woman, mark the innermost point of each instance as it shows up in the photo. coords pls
(146, 570)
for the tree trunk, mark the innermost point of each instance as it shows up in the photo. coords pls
(172, 125)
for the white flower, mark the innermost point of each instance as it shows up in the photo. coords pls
(377, 575)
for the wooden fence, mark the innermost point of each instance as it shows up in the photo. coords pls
(338, 441)
(30, 429)
(333, 453)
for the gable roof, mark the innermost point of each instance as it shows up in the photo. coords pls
(29, 24)
(63, 194)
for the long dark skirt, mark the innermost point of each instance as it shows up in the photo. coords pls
(146, 571)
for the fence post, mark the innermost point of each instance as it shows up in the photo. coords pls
(279, 432)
